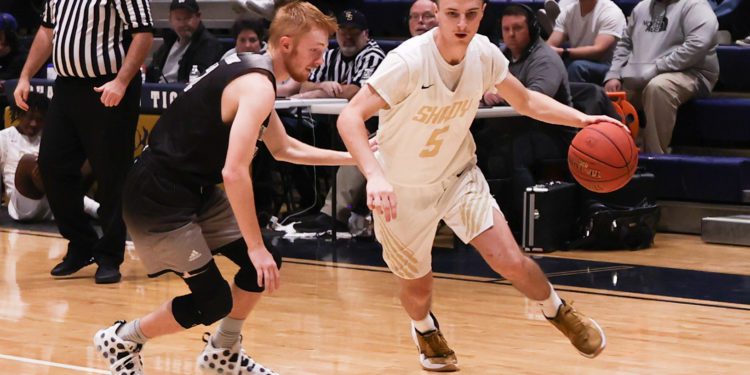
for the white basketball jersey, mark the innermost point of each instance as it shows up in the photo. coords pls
(424, 133)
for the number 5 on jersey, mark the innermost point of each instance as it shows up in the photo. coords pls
(432, 147)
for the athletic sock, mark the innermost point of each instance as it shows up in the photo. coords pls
(228, 332)
(551, 304)
(131, 331)
(425, 325)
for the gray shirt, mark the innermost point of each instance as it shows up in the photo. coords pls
(668, 36)
(541, 69)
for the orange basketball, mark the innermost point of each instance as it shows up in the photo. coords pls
(602, 157)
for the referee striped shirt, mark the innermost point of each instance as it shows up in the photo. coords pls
(355, 71)
(89, 38)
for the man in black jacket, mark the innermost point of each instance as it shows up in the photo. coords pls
(187, 44)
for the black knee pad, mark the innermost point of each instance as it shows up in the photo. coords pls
(210, 300)
(247, 277)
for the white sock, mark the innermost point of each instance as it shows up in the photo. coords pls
(131, 331)
(90, 207)
(551, 304)
(425, 325)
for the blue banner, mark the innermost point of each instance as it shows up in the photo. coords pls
(155, 97)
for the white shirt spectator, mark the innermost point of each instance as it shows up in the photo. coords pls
(606, 18)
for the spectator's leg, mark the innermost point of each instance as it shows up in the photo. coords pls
(587, 71)
(662, 97)
(350, 193)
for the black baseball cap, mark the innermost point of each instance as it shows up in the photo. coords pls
(190, 5)
(352, 18)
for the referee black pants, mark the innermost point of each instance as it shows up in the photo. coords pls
(79, 127)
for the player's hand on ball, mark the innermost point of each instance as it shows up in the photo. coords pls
(381, 198)
(265, 266)
(590, 120)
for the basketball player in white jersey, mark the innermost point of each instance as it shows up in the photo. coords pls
(427, 91)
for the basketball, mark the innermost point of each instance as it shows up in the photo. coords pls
(603, 157)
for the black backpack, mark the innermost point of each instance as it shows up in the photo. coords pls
(612, 227)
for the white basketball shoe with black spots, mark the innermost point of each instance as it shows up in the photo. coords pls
(124, 357)
(232, 360)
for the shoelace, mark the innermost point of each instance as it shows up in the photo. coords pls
(578, 326)
(438, 344)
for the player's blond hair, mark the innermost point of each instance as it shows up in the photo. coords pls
(297, 18)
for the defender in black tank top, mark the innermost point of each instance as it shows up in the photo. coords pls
(178, 218)
(190, 139)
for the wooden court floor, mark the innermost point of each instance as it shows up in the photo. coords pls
(335, 318)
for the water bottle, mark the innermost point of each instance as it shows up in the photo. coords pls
(194, 74)
(51, 73)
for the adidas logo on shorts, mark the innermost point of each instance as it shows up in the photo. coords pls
(194, 255)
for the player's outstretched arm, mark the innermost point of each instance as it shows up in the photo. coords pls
(285, 148)
(543, 108)
(253, 97)
(351, 124)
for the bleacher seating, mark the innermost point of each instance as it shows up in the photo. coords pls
(693, 178)
(733, 68)
(719, 122)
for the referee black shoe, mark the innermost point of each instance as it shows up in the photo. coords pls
(107, 275)
(70, 265)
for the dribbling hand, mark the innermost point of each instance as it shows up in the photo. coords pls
(590, 120)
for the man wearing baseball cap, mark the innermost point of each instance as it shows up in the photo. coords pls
(348, 66)
(189, 44)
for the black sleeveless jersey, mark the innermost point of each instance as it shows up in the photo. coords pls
(190, 140)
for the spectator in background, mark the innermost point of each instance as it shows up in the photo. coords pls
(666, 56)
(347, 67)
(592, 29)
(189, 44)
(19, 147)
(532, 61)
(248, 36)
(422, 17)
(27, 13)
(531, 142)
(12, 55)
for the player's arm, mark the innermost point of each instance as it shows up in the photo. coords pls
(255, 100)
(285, 148)
(543, 108)
(351, 125)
